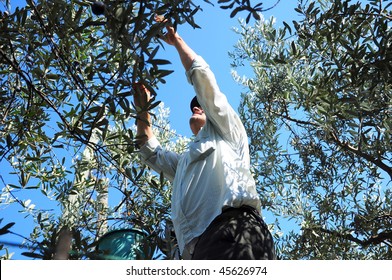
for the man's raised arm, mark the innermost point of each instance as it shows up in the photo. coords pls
(187, 55)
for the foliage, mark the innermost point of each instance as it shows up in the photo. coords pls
(318, 117)
(244, 5)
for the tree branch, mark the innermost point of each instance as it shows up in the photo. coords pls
(346, 146)
(19, 71)
(373, 240)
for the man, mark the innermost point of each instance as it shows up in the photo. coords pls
(215, 206)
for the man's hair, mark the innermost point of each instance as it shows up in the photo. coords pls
(194, 103)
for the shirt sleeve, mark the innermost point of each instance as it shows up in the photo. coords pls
(160, 160)
(214, 103)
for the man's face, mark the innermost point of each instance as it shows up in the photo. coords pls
(197, 120)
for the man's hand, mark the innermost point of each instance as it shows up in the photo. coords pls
(187, 55)
(171, 35)
(141, 95)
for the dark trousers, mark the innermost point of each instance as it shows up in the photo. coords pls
(236, 234)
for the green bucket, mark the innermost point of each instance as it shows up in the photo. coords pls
(122, 244)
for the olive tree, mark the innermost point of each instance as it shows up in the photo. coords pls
(318, 113)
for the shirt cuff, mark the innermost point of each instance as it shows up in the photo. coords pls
(198, 62)
(148, 149)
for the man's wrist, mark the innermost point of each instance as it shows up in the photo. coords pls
(141, 140)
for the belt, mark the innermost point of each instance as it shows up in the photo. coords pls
(246, 208)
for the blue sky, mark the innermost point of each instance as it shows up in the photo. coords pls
(212, 42)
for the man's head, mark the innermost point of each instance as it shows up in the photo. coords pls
(198, 118)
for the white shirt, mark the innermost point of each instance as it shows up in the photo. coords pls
(214, 173)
